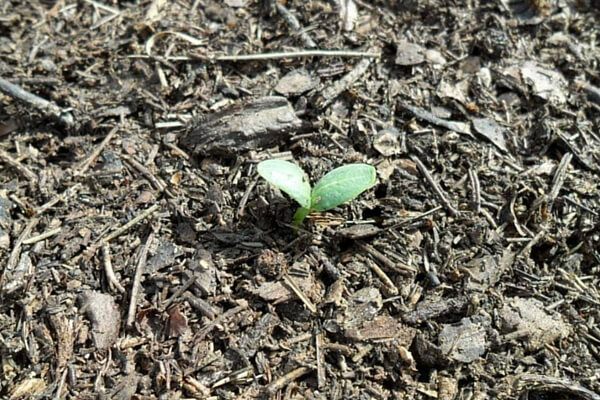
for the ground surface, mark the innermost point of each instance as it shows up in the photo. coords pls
(142, 257)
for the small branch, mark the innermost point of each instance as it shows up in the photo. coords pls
(554, 384)
(16, 251)
(42, 236)
(559, 178)
(285, 380)
(535, 240)
(333, 91)
(201, 334)
(178, 293)
(23, 170)
(200, 305)
(298, 292)
(401, 268)
(137, 280)
(593, 92)
(476, 190)
(154, 181)
(434, 185)
(321, 377)
(297, 54)
(85, 164)
(108, 269)
(391, 289)
(293, 22)
(47, 108)
(69, 192)
(90, 250)
(264, 56)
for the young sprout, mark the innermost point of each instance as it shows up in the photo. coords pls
(335, 188)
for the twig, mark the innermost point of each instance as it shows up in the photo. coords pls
(42, 236)
(155, 181)
(23, 170)
(200, 305)
(48, 108)
(245, 197)
(265, 56)
(244, 374)
(321, 377)
(559, 178)
(131, 223)
(61, 197)
(416, 217)
(401, 268)
(593, 92)
(476, 190)
(434, 185)
(201, 334)
(90, 250)
(63, 378)
(551, 383)
(16, 251)
(455, 126)
(285, 380)
(137, 280)
(332, 92)
(178, 293)
(293, 22)
(102, 6)
(298, 292)
(108, 269)
(532, 243)
(392, 290)
(177, 151)
(85, 164)
(298, 54)
(584, 208)
(100, 374)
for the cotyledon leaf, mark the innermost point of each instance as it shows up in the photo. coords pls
(341, 185)
(287, 177)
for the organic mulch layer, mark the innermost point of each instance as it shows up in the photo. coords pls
(143, 257)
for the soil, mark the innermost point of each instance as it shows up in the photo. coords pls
(142, 256)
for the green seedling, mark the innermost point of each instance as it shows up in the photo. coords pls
(335, 188)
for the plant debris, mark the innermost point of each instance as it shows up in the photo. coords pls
(143, 257)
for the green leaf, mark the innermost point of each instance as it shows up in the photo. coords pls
(288, 178)
(341, 185)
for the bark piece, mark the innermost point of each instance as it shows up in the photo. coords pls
(242, 127)
(63, 333)
(435, 308)
(357, 232)
(382, 327)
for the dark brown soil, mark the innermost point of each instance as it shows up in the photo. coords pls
(142, 257)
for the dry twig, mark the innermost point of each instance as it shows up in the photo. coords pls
(47, 108)
(137, 280)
